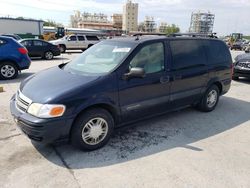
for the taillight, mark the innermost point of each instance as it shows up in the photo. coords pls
(23, 50)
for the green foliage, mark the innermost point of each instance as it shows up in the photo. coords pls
(51, 23)
(246, 37)
(170, 29)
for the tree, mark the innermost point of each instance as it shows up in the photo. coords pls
(170, 29)
(52, 23)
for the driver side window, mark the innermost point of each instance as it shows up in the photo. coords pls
(150, 58)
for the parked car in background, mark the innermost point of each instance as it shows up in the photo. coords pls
(236, 46)
(13, 58)
(76, 42)
(247, 49)
(16, 37)
(120, 81)
(245, 45)
(40, 48)
(241, 66)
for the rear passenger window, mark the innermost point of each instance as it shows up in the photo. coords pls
(81, 38)
(92, 37)
(45, 44)
(150, 57)
(187, 53)
(217, 52)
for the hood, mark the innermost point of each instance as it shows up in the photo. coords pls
(242, 57)
(50, 84)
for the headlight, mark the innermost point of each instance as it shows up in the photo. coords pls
(46, 110)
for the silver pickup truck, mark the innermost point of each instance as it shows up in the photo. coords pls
(75, 42)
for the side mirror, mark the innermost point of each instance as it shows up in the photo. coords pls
(135, 72)
(69, 39)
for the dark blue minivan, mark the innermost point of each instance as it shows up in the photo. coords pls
(119, 81)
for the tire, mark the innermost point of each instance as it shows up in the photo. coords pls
(206, 104)
(8, 70)
(90, 45)
(62, 48)
(83, 126)
(235, 78)
(48, 55)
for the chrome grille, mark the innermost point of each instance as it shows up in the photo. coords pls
(22, 102)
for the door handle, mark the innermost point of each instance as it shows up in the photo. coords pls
(164, 79)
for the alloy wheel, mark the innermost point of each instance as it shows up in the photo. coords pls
(95, 131)
(8, 71)
(49, 55)
(212, 98)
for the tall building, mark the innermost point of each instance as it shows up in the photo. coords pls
(117, 21)
(202, 22)
(148, 25)
(130, 16)
(90, 21)
(162, 27)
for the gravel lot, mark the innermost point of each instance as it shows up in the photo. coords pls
(181, 149)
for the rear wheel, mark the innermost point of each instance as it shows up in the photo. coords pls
(48, 55)
(210, 99)
(92, 129)
(8, 70)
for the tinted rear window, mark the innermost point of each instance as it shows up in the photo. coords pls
(217, 52)
(92, 37)
(187, 53)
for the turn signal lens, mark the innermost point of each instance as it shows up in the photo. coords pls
(57, 111)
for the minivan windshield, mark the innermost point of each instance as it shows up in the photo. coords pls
(100, 59)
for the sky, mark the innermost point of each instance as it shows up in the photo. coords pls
(230, 15)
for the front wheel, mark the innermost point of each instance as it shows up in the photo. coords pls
(92, 129)
(210, 99)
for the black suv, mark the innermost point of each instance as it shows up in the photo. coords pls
(241, 66)
(120, 81)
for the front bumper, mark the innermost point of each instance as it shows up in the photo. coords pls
(41, 130)
(241, 73)
(56, 52)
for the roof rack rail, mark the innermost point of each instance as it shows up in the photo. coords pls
(210, 35)
(141, 34)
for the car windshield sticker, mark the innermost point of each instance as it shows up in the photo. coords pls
(121, 50)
